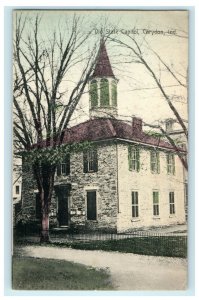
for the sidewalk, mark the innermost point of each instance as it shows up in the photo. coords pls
(128, 271)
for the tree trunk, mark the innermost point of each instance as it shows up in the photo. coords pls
(48, 172)
(45, 237)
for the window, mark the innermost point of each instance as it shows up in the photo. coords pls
(169, 125)
(90, 160)
(17, 189)
(135, 210)
(155, 162)
(170, 163)
(94, 94)
(156, 203)
(171, 203)
(64, 167)
(114, 93)
(134, 158)
(91, 205)
(104, 92)
(37, 206)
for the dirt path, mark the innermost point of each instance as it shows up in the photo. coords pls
(128, 271)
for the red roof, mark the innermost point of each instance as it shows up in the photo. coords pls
(103, 66)
(105, 129)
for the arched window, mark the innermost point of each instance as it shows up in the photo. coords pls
(114, 93)
(93, 93)
(104, 92)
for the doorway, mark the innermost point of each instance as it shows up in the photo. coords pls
(63, 193)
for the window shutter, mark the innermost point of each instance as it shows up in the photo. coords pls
(174, 164)
(138, 159)
(95, 160)
(167, 163)
(59, 170)
(158, 162)
(151, 154)
(85, 161)
(67, 161)
(130, 157)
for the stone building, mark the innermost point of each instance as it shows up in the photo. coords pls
(126, 180)
(176, 133)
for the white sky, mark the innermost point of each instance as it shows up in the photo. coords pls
(137, 92)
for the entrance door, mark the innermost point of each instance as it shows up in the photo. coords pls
(63, 195)
(63, 209)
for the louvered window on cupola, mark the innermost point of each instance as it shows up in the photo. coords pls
(93, 93)
(104, 92)
(90, 160)
(114, 93)
(134, 158)
(64, 167)
(155, 162)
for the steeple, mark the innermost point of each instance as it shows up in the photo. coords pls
(103, 87)
(103, 67)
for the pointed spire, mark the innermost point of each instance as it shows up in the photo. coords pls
(103, 67)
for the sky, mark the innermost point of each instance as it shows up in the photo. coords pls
(165, 32)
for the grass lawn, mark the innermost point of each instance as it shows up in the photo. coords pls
(50, 274)
(172, 246)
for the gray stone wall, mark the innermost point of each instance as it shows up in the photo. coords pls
(104, 182)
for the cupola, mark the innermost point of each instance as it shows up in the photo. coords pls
(103, 87)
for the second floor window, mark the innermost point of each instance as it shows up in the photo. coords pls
(170, 164)
(155, 162)
(134, 158)
(90, 160)
(64, 167)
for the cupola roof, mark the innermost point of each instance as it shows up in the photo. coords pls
(103, 67)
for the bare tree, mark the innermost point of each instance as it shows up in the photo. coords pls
(138, 55)
(43, 98)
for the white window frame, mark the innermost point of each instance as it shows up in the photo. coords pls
(172, 208)
(170, 163)
(155, 161)
(63, 168)
(134, 158)
(90, 160)
(156, 205)
(135, 204)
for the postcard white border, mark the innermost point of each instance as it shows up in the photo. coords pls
(142, 4)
